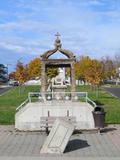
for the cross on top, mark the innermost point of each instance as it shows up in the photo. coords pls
(57, 35)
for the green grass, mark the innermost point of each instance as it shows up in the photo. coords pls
(13, 98)
(111, 104)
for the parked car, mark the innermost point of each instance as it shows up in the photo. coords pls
(111, 82)
(13, 83)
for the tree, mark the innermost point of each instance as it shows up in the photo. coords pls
(108, 67)
(89, 70)
(3, 74)
(81, 66)
(116, 60)
(34, 68)
(52, 72)
(12, 75)
(21, 73)
(93, 74)
(117, 67)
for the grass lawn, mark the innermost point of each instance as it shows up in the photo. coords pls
(111, 104)
(12, 99)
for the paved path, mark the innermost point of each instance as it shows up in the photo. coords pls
(114, 91)
(81, 146)
(3, 90)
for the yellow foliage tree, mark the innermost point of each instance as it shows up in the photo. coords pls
(89, 70)
(52, 72)
(34, 68)
(21, 73)
(81, 66)
(93, 74)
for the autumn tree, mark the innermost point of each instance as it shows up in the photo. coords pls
(12, 75)
(81, 66)
(52, 72)
(21, 73)
(34, 68)
(89, 70)
(108, 67)
(93, 74)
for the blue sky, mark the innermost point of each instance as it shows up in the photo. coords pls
(87, 27)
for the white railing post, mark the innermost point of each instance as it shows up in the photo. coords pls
(29, 98)
(92, 102)
(86, 96)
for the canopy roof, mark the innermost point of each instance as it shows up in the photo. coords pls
(58, 46)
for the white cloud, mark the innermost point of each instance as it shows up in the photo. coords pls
(83, 29)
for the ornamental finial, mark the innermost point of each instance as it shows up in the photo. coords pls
(57, 35)
(58, 41)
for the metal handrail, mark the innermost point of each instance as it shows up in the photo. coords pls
(42, 94)
(91, 102)
(22, 104)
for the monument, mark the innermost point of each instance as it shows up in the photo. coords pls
(41, 109)
(58, 83)
(46, 62)
(60, 78)
(58, 137)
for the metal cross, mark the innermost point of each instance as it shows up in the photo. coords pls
(57, 35)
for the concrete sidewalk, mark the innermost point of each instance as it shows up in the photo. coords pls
(59, 158)
(87, 146)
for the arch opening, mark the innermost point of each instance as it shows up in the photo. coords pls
(58, 55)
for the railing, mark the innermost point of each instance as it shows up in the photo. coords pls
(58, 96)
(22, 104)
(91, 102)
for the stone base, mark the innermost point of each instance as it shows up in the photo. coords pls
(28, 118)
(59, 88)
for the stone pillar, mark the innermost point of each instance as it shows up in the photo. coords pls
(73, 83)
(43, 77)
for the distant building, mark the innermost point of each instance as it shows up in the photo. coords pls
(3, 73)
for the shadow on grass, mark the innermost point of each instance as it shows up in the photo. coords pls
(75, 145)
(98, 102)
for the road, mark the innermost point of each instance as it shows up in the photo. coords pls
(3, 90)
(114, 91)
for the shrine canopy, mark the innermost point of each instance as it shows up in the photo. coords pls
(48, 62)
(58, 48)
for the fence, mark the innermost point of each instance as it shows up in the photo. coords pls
(58, 96)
